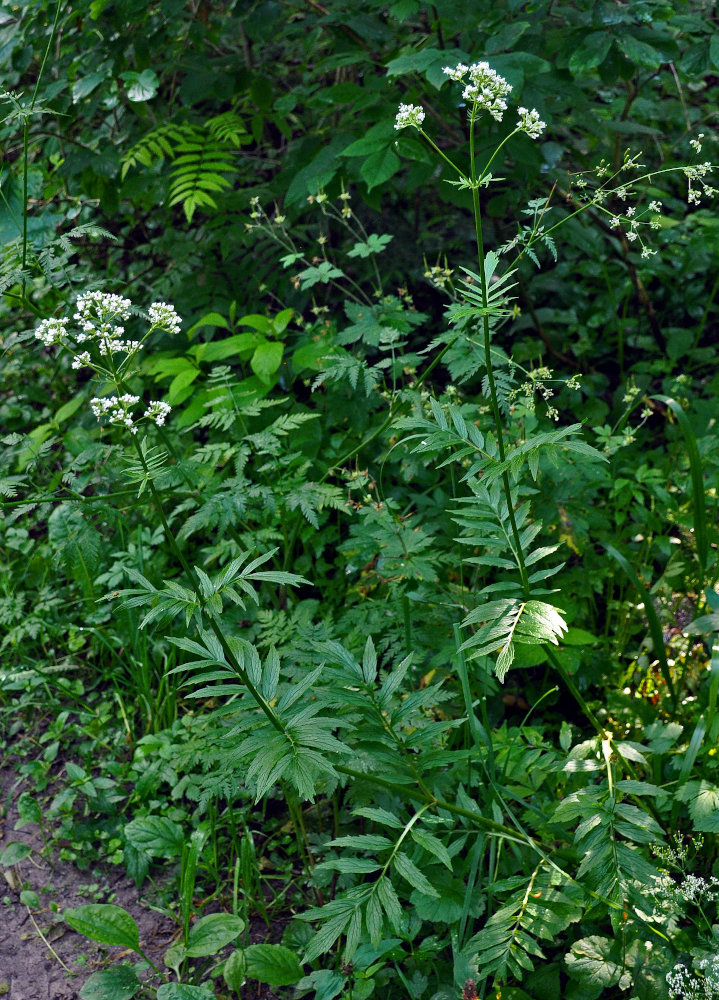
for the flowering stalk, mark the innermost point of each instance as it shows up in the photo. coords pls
(104, 350)
(485, 91)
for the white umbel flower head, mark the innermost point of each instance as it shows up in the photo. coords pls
(51, 331)
(157, 411)
(162, 315)
(530, 123)
(409, 114)
(486, 89)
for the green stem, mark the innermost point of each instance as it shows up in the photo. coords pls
(494, 402)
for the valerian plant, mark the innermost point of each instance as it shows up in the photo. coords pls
(467, 853)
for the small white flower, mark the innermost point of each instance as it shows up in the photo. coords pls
(409, 114)
(81, 360)
(51, 331)
(487, 89)
(163, 316)
(530, 122)
(457, 73)
(157, 411)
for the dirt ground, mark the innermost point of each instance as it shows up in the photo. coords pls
(28, 968)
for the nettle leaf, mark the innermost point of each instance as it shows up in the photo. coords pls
(157, 836)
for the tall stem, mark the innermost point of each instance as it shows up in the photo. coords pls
(494, 402)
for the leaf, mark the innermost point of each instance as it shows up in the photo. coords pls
(211, 933)
(639, 53)
(142, 86)
(592, 51)
(272, 964)
(703, 799)
(266, 360)
(407, 869)
(233, 971)
(104, 923)
(15, 851)
(593, 962)
(379, 167)
(118, 983)
(178, 991)
(156, 836)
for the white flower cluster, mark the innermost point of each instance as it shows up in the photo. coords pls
(683, 984)
(97, 313)
(157, 411)
(409, 114)
(484, 87)
(98, 317)
(51, 331)
(691, 889)
(116, 409)
(698, 173)
(162, 315)
(530, 122)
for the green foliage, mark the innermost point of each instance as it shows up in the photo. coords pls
(378, 630)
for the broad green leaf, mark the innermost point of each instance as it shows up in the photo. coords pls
(118, 983)
(178, 991)
(267, 359)
(104, 923)
(29, 811)
(211, 933)
(15, 851)
(596, 962)
(592, 51)
(379, 167)
(638, 52)
(272, 964)
(234, 972)
(156, 835)
(140, 86)
(703, 799)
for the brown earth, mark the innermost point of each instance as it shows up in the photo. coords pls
(41, 958)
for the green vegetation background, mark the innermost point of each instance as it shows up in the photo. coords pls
(430, 830)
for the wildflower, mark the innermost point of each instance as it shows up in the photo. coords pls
(102, 306)
(487, 90)
(457, 73)
(81, 360)
(116, 409)
(530, 123)
(162, 316)
(696, 143)
(51, 331)
(409, 114)
(157, 411)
